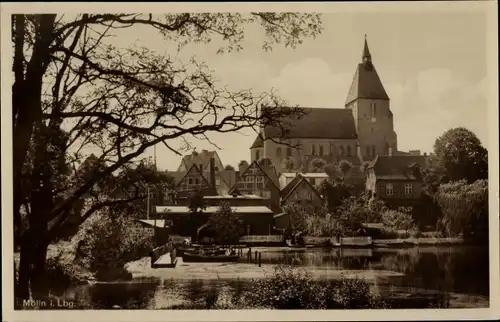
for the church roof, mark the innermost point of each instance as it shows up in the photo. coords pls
(366, 83)
(258, 143)
(325, 123)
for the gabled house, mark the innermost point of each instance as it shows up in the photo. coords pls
(202, 161)
(260, 180)
(301, 190)
(194, 179)
(397, 180)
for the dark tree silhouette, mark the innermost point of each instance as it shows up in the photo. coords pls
(119, 101)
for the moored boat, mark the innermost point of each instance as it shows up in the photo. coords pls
(195, 257)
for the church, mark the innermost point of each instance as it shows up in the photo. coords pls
(361, 130)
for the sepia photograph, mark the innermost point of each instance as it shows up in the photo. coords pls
(195, 158)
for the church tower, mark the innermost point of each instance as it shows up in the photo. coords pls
(369, 103)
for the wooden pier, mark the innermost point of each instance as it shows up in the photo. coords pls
(164, 256)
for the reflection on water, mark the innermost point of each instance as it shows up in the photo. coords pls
(463, 270)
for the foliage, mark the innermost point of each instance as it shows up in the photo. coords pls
(398, 220)
(464, 209)
(334, 193)
(331, 170)
(344, 167)
(317, 165)
(243, 164)
(458, 155)
(291, 288)
(196, 202)
(288, 164)
(229, 167)
(106, 242)
(226, 225)
(354, 211)
(265, 162)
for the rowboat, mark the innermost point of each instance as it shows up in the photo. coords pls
(208, 258)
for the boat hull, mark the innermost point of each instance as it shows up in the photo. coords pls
(197, 258)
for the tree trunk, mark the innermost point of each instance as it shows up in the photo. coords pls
(23, 287)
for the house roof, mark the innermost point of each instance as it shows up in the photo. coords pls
(202, 157)
(395, 167)
(297, 184)
(269, 171)
(366, 83)
(290, 186)
(194, 168)
(234, 209)
(326, 123)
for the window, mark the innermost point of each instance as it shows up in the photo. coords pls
(408, 188)
(321, 150)
(309, 195)
(389, 189)
(288, 152)
(259, 179)
(341, 151)
(217, 182)
(250, 179)
(373, 108)
(197, 181)
(313, 149)
(190, 181)
(348, 150)
(278, 152)
(368, 151)
(257, 155)
(216, 168)
(201, 167)
(373, 150)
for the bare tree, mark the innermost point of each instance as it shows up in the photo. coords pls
(119, 101)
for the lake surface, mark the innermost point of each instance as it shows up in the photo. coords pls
(460, 272)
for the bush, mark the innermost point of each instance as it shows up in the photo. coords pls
(293, 288)
(105, 243)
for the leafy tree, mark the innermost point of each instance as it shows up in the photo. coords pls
(229, 167)
(119, 101)
(334, 193)
(226, 225)
(459, 155)
(356, 210)
(287, 164)
(464, 209)
(331, 170)
(197, 205)
(265, 162)
(243, 164)
(344, 167)
(317, 165)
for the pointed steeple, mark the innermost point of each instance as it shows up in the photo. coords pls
(367, 57)
(366, 83)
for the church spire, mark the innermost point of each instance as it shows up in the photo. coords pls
(367, 57)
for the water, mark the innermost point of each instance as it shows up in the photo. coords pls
(460, 271)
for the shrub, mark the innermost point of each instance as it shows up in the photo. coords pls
(294, 288)
(106, 242)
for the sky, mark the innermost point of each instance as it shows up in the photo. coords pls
(433, 66)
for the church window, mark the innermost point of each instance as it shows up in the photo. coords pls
(257, 155)
(321, 150)
(313, 149)
(348, 150)
(373, 150)
(341, 151)
(373, 108)
(278, 152)
(368, 151)
(288, 152)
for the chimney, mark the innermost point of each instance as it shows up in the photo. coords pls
(212, 173)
